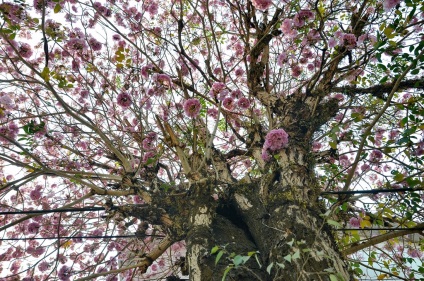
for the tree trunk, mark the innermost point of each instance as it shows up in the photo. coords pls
(279, 217)
(294, 239)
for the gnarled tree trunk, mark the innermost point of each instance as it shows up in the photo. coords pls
(278, 216)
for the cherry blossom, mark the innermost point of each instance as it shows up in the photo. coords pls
(192, 107)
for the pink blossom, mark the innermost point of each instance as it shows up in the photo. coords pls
(217, 87)
(192, 107)
(25, 50)
(390, 4)
(355, 222)
(281, 59)
(332, 43)
(33, 227)
(414, 253)
(296, 70)
(239, 72)
(276, 139)
(76, 44)
(6, 101)
(339, 97)
(152, 8)
(149, 155)
(213, 112)
(75, 65)
(38, 251)
(262, 4)
(243, 103)
(302, 16)
(43, 266)
(265, 155)
(376, 156)
(97, 232)
(162, 79)
(124, 99)
(35, 194)
(287, 26)
(365, 167)
(316, 146)
(148, 143)
(15, 266)
(94, 44)
(64, 273)
(228, 103)
(349, 40)
(344, 161)
(236, 94)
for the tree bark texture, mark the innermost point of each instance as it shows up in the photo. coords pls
(245, 225)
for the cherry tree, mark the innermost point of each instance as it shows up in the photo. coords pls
(211, 139)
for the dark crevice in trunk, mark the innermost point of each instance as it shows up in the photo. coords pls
(229, 212)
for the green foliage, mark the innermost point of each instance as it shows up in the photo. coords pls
(234, 260)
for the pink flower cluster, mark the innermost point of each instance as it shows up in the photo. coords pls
(151, 7)
(162, 80)
(302, 17)
(124, 99)
(390, 4)
(64, 273)
(6, 103)
(149, 142)
(274, 141)
(94, 44)
(9, 131)
(287, 28)
(262, 4)
(217, 90)
(76, 44)
(376, 156)
(355, 222)
(192, 107)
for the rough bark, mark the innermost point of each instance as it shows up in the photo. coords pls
(278, 216)
(246, 224)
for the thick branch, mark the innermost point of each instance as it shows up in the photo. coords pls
(379, 91)
(382, 238)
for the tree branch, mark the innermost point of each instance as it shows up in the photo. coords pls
(382, 238)
(147, 260)
(379, 90)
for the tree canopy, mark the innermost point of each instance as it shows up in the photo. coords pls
(211, 140)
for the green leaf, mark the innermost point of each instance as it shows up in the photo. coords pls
(281, 265)
(57, 8)
(269, 268)
(257, 260)
(296, 254)
(333, 144)
(333, 223)
(226, 272)
(45, 74)
(389, 32)
(288, 258)
(291, 242)
(251, 253)
(415, 71)
(399, 177)
(333, 277)
(214, 250)
(218, 256)
(238, 260)
(384, 79)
